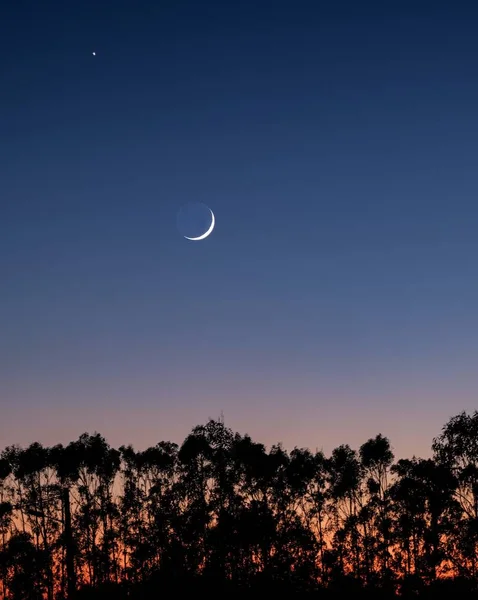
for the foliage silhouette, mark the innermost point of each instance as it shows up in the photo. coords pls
(221, 514)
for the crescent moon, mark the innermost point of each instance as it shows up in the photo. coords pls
(208, 232)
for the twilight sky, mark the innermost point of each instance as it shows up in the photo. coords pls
(337, 144)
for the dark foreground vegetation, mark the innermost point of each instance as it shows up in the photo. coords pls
(220, 516)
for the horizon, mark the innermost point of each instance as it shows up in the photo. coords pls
(64, 441)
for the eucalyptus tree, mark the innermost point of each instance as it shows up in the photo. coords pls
(66, 461)
(296, 545)
(255, 521)
(376, 458)
(39, 504)
(163, 501)
(132, 525)
(425, 517)
(345, 476)
(96, 515)
(195, 470)
(6, 520)
(217, 500)
(409, 518)
(457, 448)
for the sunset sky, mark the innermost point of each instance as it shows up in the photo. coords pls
(336, 143)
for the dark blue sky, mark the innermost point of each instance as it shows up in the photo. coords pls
(337, 144)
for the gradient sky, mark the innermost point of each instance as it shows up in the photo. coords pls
(337, 144)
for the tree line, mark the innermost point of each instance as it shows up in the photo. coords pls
(221, 513)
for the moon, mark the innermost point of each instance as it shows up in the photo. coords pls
(207, 233)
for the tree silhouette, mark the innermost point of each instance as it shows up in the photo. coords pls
(223, 514)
